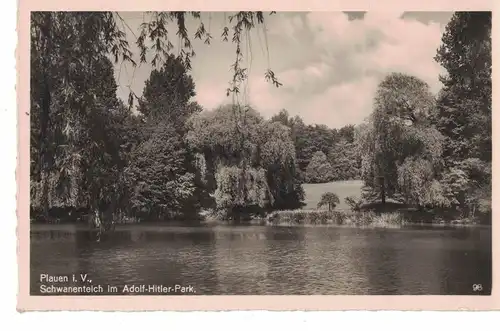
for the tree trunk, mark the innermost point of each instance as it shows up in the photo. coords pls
(382, 189)
(45, 194)
(45, 104)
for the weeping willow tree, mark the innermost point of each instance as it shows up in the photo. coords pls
(400, 148)
(76, 155)
(250, 162)
(73, 110)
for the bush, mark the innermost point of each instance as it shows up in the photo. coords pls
(388, 220)
(354, 203)
(329, 199)
(303, 217)
(324, 217)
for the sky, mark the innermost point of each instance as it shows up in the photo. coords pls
(329, 63)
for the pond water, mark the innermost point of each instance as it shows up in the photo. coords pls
(271, 260)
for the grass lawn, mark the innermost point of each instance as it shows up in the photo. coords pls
(343, 189)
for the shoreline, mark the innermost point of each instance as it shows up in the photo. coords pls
(165, 227)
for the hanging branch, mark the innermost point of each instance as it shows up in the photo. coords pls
(155, 31)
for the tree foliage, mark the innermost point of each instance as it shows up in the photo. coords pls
(75, 113)
(164, 176)
(160, 176)
(319, 170)
(400, 143)
(330, 200)
(167, 92)
(345, 161)
(338, 145)
(89, 150)
(464, 103)
(82, 136)
(247, 158)
(464, 109)
(436, 153)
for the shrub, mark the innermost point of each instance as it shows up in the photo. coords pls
(329, 199)
(364, 218)
(324, 217)
(354, 203)
(303, 217)
(388, 220)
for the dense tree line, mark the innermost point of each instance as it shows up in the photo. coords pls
(429, 151)
(333, 151)
(90, 152)
(171, 160)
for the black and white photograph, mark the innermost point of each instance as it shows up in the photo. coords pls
(260, 153)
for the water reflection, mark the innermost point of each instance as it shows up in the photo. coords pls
(287, 261)
(240, 255)
(266, 260)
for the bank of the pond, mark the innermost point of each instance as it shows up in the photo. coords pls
(362, 219)
(283, 218)
(145, 227)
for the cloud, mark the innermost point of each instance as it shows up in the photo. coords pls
(410, 47)
(329, 65)
(306, 79)
(343, 104)
(338, 105)
(282, 24)
(356, 55)
(267, 98)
